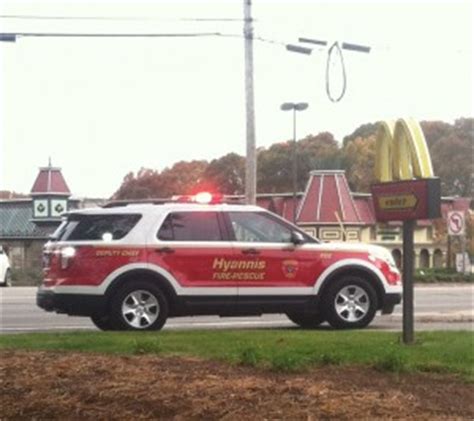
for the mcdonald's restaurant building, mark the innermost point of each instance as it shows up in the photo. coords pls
(330, 211)
(327, 209)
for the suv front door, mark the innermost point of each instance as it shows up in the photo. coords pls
(269, 262)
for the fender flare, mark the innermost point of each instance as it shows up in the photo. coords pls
(346, 266)
(145, 274)
(151, 272)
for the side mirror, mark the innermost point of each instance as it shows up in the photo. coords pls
(297, 238)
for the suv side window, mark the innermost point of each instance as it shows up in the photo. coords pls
(93, 227)
(258, 227)
(190, 226)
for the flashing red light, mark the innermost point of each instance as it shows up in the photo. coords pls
(203, 197)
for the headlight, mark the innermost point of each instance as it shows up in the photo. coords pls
(383, 254)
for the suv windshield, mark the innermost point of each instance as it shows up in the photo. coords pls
(95, 227)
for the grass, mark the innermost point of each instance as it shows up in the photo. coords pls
(279, 350)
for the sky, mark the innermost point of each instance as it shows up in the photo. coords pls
(100, 108)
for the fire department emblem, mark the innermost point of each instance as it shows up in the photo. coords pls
(290, 267)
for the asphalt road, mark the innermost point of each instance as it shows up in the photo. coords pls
(436, 307)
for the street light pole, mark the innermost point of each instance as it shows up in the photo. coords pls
(291, 106)
(295, 166)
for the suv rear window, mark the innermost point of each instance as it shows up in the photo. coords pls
(96, 227)
(190, 226)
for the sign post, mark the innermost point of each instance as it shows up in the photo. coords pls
(406, 191)
(457, 227)
(408, 290)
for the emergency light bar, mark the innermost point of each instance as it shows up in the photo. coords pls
(202, 198)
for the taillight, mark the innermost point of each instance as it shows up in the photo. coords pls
(67, 254)
(46, 259)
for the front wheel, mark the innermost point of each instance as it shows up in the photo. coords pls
(102, 322)
(139, 306)
(306, 320)
(350, 303)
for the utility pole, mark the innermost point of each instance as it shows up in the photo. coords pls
(251, 159)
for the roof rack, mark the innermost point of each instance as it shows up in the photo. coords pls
(119, 203)
(218, 199)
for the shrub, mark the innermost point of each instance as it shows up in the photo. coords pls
(441, 275)
(27, 277)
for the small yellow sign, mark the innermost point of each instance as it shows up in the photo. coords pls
(398, 202)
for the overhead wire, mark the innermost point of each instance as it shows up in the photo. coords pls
(111, 35)
(335, 48)
(120, 18)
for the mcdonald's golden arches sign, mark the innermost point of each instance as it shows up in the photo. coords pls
(406, 187)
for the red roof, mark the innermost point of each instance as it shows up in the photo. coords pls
(328, 198)
(281, 204)
(50, 181)
(365, 208)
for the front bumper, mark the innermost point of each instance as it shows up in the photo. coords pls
(72, 304)
(390, 301)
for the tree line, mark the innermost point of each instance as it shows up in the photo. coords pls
(451, 147)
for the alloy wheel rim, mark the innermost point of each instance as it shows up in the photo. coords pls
(140, 309)
(352, 303)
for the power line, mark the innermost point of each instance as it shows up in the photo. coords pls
(118, 18)
(11, 36)
(108, 35)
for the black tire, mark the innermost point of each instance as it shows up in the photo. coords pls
(306, 320)
(361, 304)
(102, 322)
(7, 280)
(150, 314)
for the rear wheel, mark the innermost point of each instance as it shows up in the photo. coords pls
(102, 322)
(7, 280)
(306, 320)
(350, 302)
(139, 306)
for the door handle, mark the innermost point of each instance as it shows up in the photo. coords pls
(250, 251)
(166, 250)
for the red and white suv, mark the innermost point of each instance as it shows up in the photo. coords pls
(133, 266)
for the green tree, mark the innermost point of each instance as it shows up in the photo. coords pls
(182, 178)
(275, 164)
(363, 131)
(226, 175)
(359, 158)
(141, 186)
(451, 149)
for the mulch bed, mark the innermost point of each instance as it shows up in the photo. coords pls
(65, 386)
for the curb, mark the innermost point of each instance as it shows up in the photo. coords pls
(458, 317)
